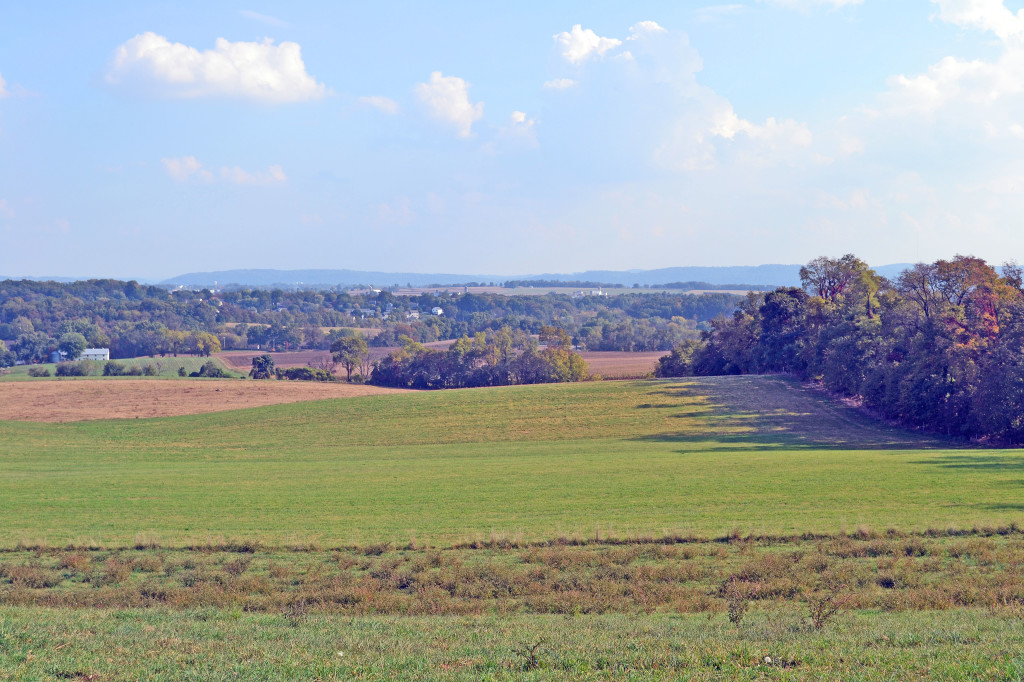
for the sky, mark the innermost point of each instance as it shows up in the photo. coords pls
(150, 139)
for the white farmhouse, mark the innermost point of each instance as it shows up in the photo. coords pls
(97, 354)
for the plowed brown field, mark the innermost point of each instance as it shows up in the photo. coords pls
(66, 401)
(620, 364)
(609, 364)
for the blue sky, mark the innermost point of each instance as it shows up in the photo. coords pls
(150, 139)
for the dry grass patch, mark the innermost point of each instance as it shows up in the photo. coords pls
(68, 401)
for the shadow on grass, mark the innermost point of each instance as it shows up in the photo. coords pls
(980, 462)
(761, 413)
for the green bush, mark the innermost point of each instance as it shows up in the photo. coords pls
(82, 368)
(38, 372)
(304, 374)
(209, 370)
(113, 369)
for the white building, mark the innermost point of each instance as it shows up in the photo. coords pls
(97, 354)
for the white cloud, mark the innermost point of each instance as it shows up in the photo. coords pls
(579, 44)
(987, 15)
(975, 91)
(5, 210)
(263, 18)
(385, 104)
(186, 168)
(260, 71)
(447, 99)
(3, 87)
(272, 176)
(774, 133)
(642, 27)
(183, 168)
(559, 84)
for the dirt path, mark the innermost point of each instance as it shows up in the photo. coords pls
(79, 400)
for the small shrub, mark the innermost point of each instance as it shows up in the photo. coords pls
(113, 369)
(150, 370)
(38, 372)
(209, 370)
(134, 371)
(736, 600)
(237, 566)
(182, 372)
(75, 369)
(530, 655)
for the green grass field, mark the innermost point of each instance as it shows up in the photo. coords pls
(167, 368)
(703, 457)
(615, 525)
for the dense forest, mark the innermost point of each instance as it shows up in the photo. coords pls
(941, 347)
(135, 320)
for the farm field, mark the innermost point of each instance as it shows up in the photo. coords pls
(616, 364)
(79, 399)
(704, 457)
(567, 291)
(166, 368)
(608, 364)
(714, 528)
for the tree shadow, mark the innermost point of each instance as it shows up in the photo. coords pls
(979, 462)
(777, 413)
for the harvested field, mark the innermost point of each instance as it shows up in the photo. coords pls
(68, 401)
(241, 360)
(616, 364)
(609, 364)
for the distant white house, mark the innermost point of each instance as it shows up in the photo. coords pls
(97, 354)
(437, 310)
(412, 315)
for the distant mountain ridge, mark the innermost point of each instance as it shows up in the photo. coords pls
(762, 275)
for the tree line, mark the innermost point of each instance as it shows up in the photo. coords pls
(941, 347)
(135, 320)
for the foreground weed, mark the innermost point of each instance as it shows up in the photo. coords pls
(531, 655)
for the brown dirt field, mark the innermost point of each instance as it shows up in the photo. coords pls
(241, 360)
(67, 401)
(617, 364)
(609, 364)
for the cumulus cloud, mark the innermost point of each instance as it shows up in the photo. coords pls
(385, 104)
(185, 168)
(447, 99)
(978, 91)
(987, 15)
(559, 84)
(727, 124)
(642, 27)
(259, 71)
(579, 44)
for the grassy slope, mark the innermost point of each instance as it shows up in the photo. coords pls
(168, 368)
(702, 456)
(217, 645)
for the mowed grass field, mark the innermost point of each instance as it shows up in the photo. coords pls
(704, 457)
(688, 529)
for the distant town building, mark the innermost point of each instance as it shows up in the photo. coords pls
(437, 310)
